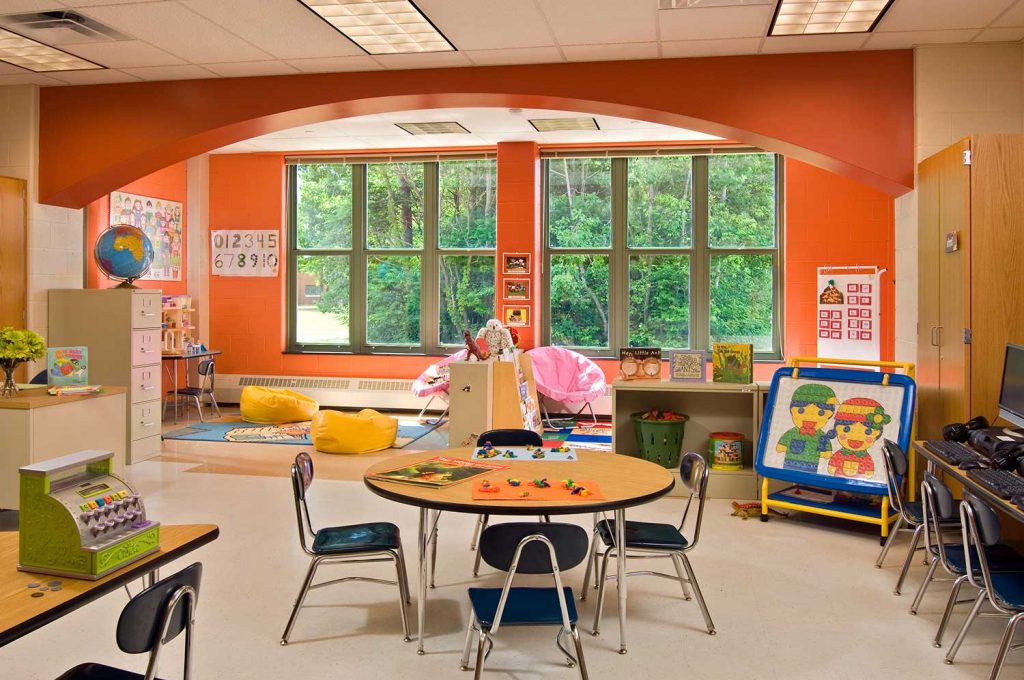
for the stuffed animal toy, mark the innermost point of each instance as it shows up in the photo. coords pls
(473, 350)
(497, 337)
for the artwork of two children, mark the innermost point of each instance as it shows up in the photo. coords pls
(831, 438)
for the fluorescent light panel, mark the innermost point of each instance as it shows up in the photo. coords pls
(816, 17)
(433, 128)
(35, 56)
(382, 26)
(561, 124)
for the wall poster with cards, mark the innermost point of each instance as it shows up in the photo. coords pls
(848, 312)
(244, 252)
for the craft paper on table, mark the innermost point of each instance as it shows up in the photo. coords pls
(440, 471)
(162, 221)
(67, 366)
(499, 489)
(542, 453)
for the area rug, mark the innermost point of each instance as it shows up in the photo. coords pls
(409, 430)
(587, 436)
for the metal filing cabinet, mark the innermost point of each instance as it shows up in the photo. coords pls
(121, 328)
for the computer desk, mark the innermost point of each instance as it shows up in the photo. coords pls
(934, 462)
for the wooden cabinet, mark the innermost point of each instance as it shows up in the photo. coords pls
(970, 290)
(13, 258)
(121, 328)
(486, 396)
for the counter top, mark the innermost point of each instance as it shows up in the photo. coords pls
(38, 398)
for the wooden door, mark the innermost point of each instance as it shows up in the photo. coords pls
(13, 256)
(929, 423)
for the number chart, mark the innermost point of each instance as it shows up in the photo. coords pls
(244, 252)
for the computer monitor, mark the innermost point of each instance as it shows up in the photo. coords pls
(1011, 396)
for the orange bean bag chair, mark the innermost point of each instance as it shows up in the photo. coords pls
(272, 405)
(363, 432)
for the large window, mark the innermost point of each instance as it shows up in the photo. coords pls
(672, 251)
(390, 257)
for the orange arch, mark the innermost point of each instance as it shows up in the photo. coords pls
(851, 113)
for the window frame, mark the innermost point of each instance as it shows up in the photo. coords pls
(699, 252)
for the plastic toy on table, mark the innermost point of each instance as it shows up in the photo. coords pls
(512, 481)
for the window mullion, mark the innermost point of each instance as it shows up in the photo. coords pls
(618, 269)
(291, 312)
(357, 267)
(429, 280)
(700, 285)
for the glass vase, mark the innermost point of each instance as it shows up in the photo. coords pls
(9, 387)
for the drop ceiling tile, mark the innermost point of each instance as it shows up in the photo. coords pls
(906, 39)
(186, 72)
(1001, 34)
(526, 55)
(715, 22)
(124, 53)
(935, 15)
(90, 3)
(1013, 17)
(285, 29)
(333, 64)
(244, 69)
(10, 69)
(95, 77)
(710, 48)
(14, 6)
(423, 60)
(25, 78)
(814, 43)
(611, 52)
(177, 30)
(488, 24)
(590, 22)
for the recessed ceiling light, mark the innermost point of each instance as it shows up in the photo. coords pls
(433, 128)
(382, 26)
(560, 124)
(35, 56)
(816, 17)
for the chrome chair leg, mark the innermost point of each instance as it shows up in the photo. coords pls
(955, 647)
(910, 558)
(677, 563)
(953, 600)
(470, 628)
(199, 407)
(481, 642)
(570, 659)
(301, 598)
(696, 591)
(594, 538)
(888, 543)
(924, 585)
(403, 593)
(578, 644)
(1004, 645)
(602, 580)
(213, 401)
(404, 575)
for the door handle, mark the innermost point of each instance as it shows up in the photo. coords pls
(934, 340)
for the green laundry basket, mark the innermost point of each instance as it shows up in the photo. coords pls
(660, 441)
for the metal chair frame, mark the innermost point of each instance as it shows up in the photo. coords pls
(986, 591)
(553, 423)
(696, 482)
(485, 643)
(300, 487)
(933, 531)
(188, 594)
(207, 368)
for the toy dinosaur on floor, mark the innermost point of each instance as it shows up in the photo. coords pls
(752, 509)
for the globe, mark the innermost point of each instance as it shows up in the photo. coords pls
(124, 253)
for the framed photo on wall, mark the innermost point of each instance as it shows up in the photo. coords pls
(687, 366)
(516, 316)
(515, 263)
(517, 289)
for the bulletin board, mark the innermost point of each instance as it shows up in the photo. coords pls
(848, 312)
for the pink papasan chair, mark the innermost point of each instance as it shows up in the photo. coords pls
(566, 376)
(434, 383)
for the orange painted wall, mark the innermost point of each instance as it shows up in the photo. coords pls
(829, 220)
(849, 112)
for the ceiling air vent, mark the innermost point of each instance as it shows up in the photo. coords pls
(446, 128)
(563, 124)
(61, 27)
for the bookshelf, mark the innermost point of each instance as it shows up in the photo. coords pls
(176, 327)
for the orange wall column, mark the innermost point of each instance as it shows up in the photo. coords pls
(519, 205)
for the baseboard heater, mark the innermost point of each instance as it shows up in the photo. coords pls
(378, 393)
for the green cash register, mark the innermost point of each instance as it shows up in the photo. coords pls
(78, 519)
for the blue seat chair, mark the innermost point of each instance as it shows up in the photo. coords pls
(527, 548)
(1004, 591)
(350, 544)
(207, 369)
(647, 540)
(150, 620)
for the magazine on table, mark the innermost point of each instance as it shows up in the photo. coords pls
(440, 471)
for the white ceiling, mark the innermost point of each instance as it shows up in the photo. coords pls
(180, 39)
(487, 127)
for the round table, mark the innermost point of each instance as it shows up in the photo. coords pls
(624, 481)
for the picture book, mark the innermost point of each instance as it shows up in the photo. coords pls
(438, 472)
(640, 363)
(732, 362)
(67, 366)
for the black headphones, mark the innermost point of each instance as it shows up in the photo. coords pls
(1008, 455)
(960, 432)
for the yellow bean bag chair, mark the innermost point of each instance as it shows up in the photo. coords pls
(363, 432)
(272, 405)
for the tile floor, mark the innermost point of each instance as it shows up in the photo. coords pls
(791, 598)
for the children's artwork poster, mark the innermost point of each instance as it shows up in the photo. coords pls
(832, 428)
(244, 252)
(67, 366)
(848, 303)
(162, 222)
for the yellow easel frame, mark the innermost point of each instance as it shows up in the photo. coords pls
(884, 520)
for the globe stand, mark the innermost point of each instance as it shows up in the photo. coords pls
(127, 283)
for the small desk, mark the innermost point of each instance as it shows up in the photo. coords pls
(173, 368)
(20, 613)
(961, 477)
(625, 481)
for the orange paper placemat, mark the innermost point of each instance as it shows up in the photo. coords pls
(556, 492)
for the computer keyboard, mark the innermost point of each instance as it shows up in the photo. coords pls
(1002, 483)
(953, 453)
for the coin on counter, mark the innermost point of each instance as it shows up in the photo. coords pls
(33, 585)
(37, 594)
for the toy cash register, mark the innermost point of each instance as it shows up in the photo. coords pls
(79, 520)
